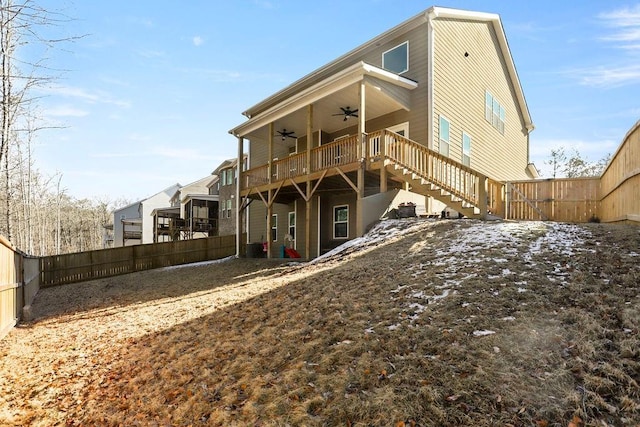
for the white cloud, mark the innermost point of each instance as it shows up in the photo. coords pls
(608, 77)
(198, 41)
(625, 17)
(626, 25)
(95, 97)
(66, 111)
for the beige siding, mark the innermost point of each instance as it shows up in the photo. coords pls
(620, 183)
(418, 71)
(460, 83)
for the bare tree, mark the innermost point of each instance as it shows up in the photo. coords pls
(574, 165)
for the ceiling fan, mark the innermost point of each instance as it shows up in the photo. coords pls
(286, 134)
(347, 112)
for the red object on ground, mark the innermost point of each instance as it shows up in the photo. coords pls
(292, 253)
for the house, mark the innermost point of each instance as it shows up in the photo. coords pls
(431, 111)
(132, 224)
(226, 190)
(192, 213)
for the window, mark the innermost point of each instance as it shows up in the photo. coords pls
(223, 204)
(466, 149)
(444, 136)
(397, 59)
(292, 225)
(494, 113)
(229, 208)
(341, 222)
(274, 227)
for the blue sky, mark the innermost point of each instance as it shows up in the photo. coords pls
(151, 91)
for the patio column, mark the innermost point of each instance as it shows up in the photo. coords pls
(238, 197)
(307, 204)
(270, 192)
(383, 170)
(362, 157)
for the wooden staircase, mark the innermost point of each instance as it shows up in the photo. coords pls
(422, 186)
(430, 173)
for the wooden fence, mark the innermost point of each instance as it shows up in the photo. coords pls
(81, 266)
(11, 297)
(612, 197)
(564, 199)
(620, 182)
(19, 283)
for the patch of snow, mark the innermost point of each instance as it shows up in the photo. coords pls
(198, 264)
(393, 327)
(508, 319)
(483, 333)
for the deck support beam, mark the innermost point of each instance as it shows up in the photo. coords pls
(239, 206)
(482, 196)
(309, 189)
(363, 158)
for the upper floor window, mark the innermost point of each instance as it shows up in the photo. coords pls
(227, 176)
(494, 113)
(444, 136)
(397, 58)
(466, 149)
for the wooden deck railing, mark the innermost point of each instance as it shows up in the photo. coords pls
(459, 180)
(336, 153)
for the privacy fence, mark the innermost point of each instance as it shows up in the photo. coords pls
(19, 283)
(612, 197)
(22, 276)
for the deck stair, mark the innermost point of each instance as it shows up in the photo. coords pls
(430, 173)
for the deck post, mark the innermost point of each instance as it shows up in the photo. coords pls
(482, 196)
(307, 222)
(363, 161)
(383, 169)
(270, 192)
(238, 198)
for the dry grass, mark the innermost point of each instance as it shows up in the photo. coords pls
(454, 323)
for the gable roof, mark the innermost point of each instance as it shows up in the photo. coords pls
(349, 58)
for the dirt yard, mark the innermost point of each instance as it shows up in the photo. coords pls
(421, 323)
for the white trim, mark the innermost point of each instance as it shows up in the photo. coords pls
(463, 152)
(295, 225)
(394, 48)
(334, 222)
(319, 230)
(400, 127)
(440, 118)
(274, 226)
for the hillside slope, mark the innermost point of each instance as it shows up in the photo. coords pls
(429, 323)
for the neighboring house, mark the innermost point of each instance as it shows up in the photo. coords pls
(226, 190)
(133, 224)
(192, 213)
(432, 109)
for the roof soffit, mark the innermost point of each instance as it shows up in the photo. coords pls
(372, 76)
